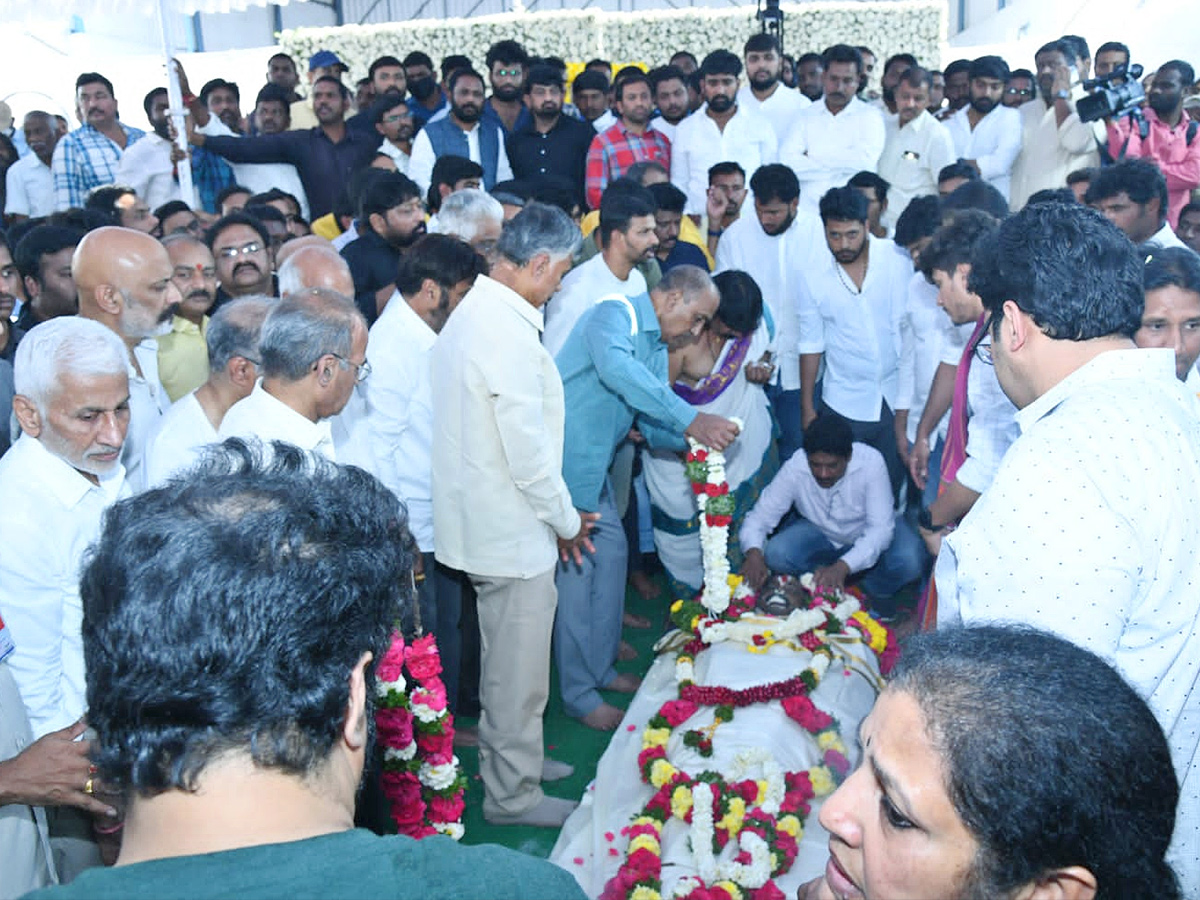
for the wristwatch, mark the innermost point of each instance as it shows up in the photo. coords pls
(1063, 95)
(925, 521)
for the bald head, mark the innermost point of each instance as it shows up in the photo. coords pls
(315, 267)
(308, 240)
(123, 278)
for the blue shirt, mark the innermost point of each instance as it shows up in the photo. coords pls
(684, 254)
(615, 371)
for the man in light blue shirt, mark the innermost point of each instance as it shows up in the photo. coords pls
(614, 371)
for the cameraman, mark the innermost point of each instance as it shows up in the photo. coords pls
(1170, 138)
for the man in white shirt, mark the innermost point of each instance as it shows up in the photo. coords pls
(763, 91)
(847, 529)
(627, 237)
(837, 136)
(986, 133)
(1091, 528)
(394, 123)
(29, 183)
(721, 130)
(1054, 142)
(461, 132)
(668, 87)
(774, 246)
(124, 282)
(192, 421)
(149, 165)
(312, 352)
(850, 304)
(917, 147)
(501, 509)
(434, 275)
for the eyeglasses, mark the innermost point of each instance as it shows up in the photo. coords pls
(509, 73)
(392, 120)
(235, 252)
(362, 370)
(1019, 92)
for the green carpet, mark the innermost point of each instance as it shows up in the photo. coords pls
(566, 739)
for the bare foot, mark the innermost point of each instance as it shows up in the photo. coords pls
(633, 620)
(644, 585)
(604, 717)
(626, 651)
(624, 683)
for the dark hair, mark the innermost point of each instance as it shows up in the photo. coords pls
(1193, 207)
(217, 84)
(1073, 272)
(170, 208)
(907, 58)
(762, 43)
(443, 259)
(1063, 46)
(866, 179)
(665, 73)
(226, 609)
(993, 698)
(726, 168)
(453, 63)
(635, 77)
(1139, 179)
(237, 217)
(1086, 176)
(380, 63)
(915, 76)
(667, 197)
(741, 304)
(1052, 195)
(458, 74)
(1024, 73)
(265, 214)
(386, 193)
(920, 219)
(94, 78)
(622, 201)
(329, 79)
(687, 54)
(1186, 73)
(597, 61)
(829, 433)
(104, 200)
(385, 103)
(959, 65)
(1078, 44)
(273, 93)
(82, 220)
(507, 51)
(225, 193)
(774, 181)
(639, 169)
(275, 56)
(843, 53)
(844, 204)
(589, 80)
(544, 75)
(271, 196)
(988, 67)
(955, 242)
(450, 170)
(721, 62)
(417, 58)
(39, 241)
(976, 195)
(1166, 266)
(958, 169)
(148, 100)
(1114, 47)
(809, 57)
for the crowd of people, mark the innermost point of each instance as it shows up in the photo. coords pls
(946, 334)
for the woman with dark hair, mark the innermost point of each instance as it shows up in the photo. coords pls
(1003, 762)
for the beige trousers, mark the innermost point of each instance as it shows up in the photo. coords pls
(516, 620)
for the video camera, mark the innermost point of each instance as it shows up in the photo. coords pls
(1109, 101)
(771, 18)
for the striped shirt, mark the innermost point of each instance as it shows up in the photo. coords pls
(86, 159)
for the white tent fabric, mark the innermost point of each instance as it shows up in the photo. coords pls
(54, 9)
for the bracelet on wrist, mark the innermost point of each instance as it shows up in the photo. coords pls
(716, 232)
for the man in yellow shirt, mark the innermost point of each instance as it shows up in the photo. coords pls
(182, 353)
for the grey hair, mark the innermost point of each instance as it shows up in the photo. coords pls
(463, 212)
(234, 330)
(291, 273)
(303, 327)
(690, 280)
(67, 344)
(538, 228)
(181, 237)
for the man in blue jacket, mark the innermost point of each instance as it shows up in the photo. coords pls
(614, 372)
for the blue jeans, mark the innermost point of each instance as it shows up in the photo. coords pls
(785, 406)
(802, 547)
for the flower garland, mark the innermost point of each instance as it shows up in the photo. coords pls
(705, 468)
(422, 779)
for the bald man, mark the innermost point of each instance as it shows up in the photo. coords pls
(315, 267)
(123, 278)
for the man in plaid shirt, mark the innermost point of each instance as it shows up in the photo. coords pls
(89, 155)
(628, 141)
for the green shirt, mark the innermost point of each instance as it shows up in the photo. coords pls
(354, 863)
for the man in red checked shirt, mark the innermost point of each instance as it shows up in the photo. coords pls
(629, 141)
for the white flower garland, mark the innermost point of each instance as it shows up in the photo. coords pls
(439, 778)
(764, 761)
(714, 540)
(752, 875)
(798, 622)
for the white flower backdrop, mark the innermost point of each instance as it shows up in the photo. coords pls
(914, 26)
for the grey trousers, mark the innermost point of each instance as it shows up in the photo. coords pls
(591, 603)
(516, 617)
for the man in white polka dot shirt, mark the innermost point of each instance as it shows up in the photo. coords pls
(1091, 527)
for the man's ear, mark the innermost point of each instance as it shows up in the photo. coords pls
(108, 298)
(354, 726)
(1016, 328)
(241, 371)
(327, 367)
(32, 288)
(1070, 883)
(27, 415)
